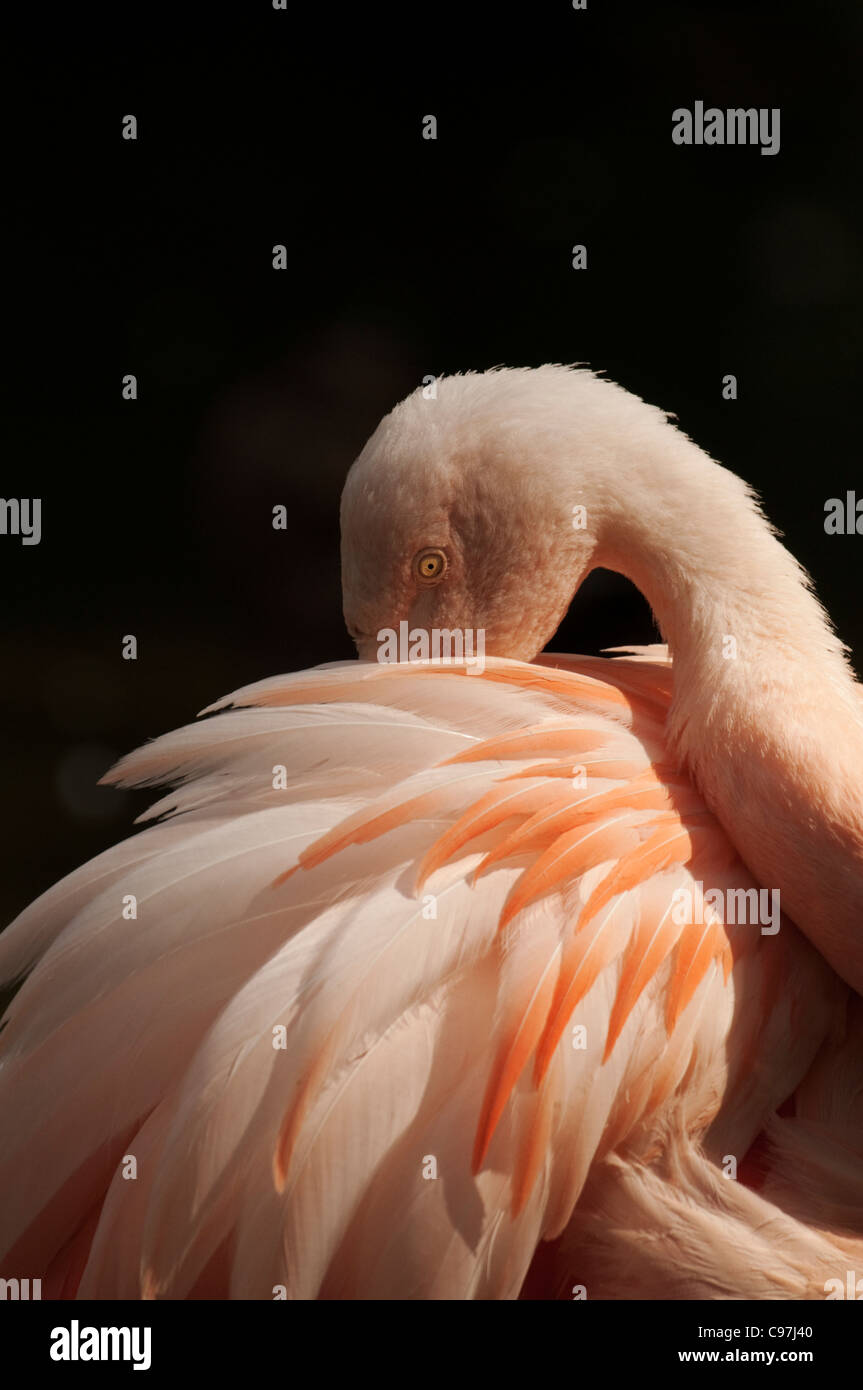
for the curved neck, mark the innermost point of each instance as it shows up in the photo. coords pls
(734, 606)
(766, 714)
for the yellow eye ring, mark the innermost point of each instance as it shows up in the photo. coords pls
(430, 565)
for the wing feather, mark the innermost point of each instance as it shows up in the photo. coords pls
(426, 1116)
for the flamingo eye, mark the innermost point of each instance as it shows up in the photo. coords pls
(430, 566)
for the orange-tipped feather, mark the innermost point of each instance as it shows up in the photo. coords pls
(698, 946)
(651, 944)
(599, 768)
(535, 739)
(586, 954)
(498, 805)
(533, 1149)
(367, 824)
(512, 1057)
(568, 857)
(669, 844)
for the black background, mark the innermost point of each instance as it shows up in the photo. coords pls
(406, 257)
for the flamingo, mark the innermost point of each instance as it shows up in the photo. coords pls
(424, 980)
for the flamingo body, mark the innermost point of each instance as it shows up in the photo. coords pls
(409, 1007)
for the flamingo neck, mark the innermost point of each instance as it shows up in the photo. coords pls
(766, 714)
(734, 606)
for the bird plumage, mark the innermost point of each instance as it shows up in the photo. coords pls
(407, 1009)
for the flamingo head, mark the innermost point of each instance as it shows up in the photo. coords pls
(476, 508)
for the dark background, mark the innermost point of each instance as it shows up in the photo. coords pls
(406, 257)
